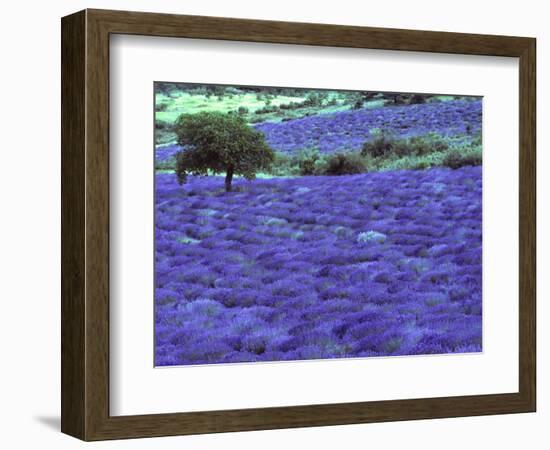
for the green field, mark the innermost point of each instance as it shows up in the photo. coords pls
(183, 102)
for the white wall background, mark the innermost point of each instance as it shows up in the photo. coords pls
(30, 222)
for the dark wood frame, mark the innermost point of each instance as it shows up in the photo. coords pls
(85, 224)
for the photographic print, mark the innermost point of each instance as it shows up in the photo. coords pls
(298, 224)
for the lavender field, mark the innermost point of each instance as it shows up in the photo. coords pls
(323, 267)
(364, 263)
(348, 130)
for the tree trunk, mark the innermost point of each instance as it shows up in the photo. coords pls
(228, 179)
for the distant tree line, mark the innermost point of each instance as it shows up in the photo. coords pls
(314, 98)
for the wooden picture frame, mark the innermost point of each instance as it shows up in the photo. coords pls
(85, 224)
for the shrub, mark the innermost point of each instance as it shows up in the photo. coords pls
(267, 109)
(384, 145)
(162, 125)
(417, 99)
(307, 160)
(380, 146)
(400, 99)
(477, 140)
(311, 162)
(285, 165)
(463, 157)
(313, 99)
(344, 164)
(428, 143)
(408, 99)
(293, 105)
(358, 104)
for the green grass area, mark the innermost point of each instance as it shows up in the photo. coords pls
(183, 102)
(168, 107)
(442, 98)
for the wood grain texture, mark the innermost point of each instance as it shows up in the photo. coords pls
(85, 224)
(170, 25)
(527, 223)
(73, 225)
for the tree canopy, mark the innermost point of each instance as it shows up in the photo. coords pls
(220, 143)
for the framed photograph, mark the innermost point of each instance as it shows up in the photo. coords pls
(273, 225)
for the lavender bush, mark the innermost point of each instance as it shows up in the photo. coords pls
(376, 264)
(348, 130)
